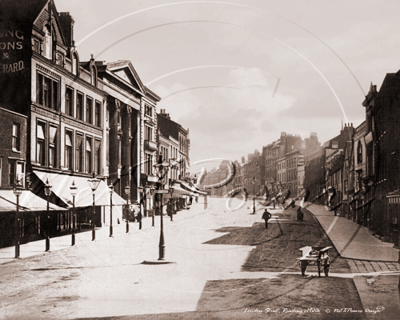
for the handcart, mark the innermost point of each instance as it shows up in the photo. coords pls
(318, 256)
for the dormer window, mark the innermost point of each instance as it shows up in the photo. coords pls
(48, 42)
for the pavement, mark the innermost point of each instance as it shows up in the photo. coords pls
(379, 291)
(185, 238)
(352, 240)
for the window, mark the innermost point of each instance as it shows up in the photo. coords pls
(89, 159)
(48, 43)
(47, 92)
(149, 164)
(16, 137)
(79, 153)
(11, 172)
(53, 147)
(358, 180)
(60, 59)
(68, 150)
(148, 133)
(40, 143)
(69, 102)
(36, 46)
(359, 152)
(16, 172)
(79, 106)
(97, 114)
(148, 111)
(89, 110)
(97, 156)
(335, 144)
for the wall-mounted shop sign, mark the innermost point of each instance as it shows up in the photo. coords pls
(11, 44)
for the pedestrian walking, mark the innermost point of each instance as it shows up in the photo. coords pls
(274, 202)
(139, 219)
(299, 214)
(170, 209)
(266, 216)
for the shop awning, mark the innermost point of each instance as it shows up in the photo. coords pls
(200, 192)
(178, 192)
(28, 201)
(61, 184)
(190, 188)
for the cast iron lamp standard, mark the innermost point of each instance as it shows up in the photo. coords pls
(253, 182)
(162, 170)
(128, 212)
(74, 190)
(17, 192)
(111, 190)
(93, 183)
(47, 192)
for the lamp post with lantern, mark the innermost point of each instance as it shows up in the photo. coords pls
(17, 190)
(93, 183)
(162, 169)
(74, 190)
(47, 192)
(253, 182)
(111, 191)
(128, 193)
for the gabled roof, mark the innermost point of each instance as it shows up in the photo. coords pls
(124, 71)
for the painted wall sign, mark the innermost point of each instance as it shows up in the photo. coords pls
(15, 56)
(11, 41)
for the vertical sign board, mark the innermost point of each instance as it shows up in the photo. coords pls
(15, 54)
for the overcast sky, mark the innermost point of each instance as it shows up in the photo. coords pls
(263, 66)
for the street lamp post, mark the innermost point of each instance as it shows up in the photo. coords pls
(153, 198)
(73, 190)
(93, 183)
(128, 193)
(140, 207)
(47, 192)
(162, 169)
(111, 190)
(17, 192)
(253, 182)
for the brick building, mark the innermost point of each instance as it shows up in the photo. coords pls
(64, 104)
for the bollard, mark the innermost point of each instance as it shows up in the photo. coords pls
(140, 225)
(93, 235)
(73, 239)
(152, 219)
(127, 226)
(47, 243)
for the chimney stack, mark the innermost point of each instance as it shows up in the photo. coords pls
(67, 27)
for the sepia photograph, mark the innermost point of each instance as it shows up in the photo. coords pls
(199, 159)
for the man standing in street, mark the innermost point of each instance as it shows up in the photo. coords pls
(266, 216)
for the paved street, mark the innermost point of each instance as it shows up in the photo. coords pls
(224, 265)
